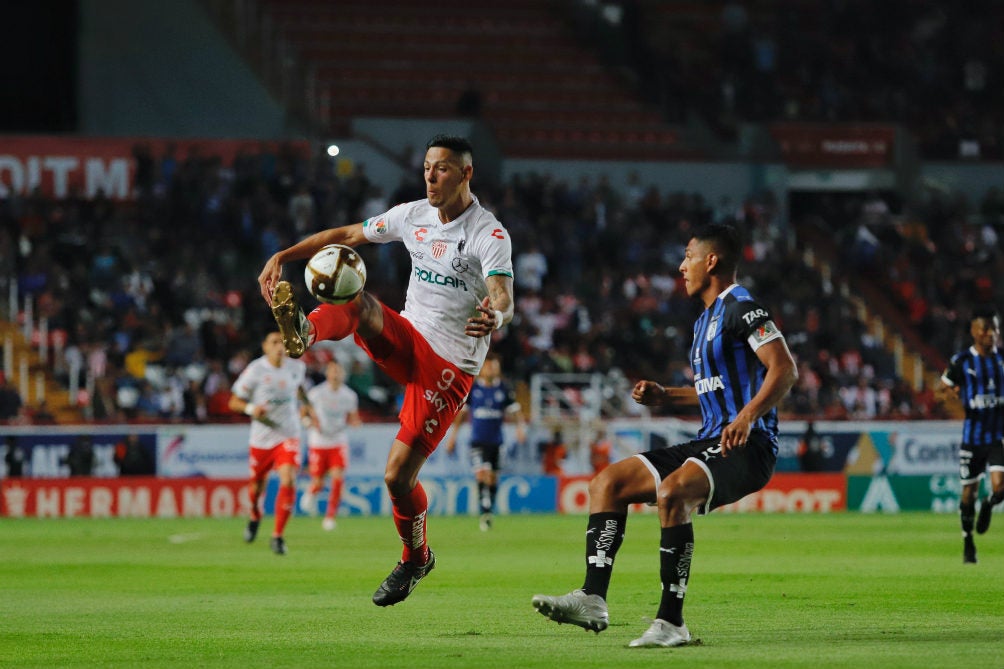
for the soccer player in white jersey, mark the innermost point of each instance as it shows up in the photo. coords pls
(270, 390)
(460, 291)
(336, 407)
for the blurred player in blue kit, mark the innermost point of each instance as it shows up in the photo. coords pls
(490, 402)
(976, 377)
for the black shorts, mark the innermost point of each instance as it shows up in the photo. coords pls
(485, 456)
(974, 459)
(745, 470)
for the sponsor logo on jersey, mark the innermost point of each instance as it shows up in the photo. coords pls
(751, 316)
(459, 266)
(986, 402)
(428, 276)
(485, 413)
(417, 255)
(708, 385)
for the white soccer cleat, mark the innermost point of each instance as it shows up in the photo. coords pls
(329, 524)
(662, 634)
(308, 503)
(577, 608)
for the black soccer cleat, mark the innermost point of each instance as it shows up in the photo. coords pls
(251, 531)
(278, 545)
(986, 515)
(399, 584)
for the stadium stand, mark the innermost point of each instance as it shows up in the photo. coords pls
(516, 63)
(161, 333)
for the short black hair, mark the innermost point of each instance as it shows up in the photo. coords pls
(984, 313)
(725, 241)
(454, 143)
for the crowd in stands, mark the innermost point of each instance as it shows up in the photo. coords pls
(932, 66)
(158, 299)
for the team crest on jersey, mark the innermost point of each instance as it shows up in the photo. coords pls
(712, 329)
(438, 248)
(379, 225)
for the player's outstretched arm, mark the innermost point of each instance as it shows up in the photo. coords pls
(349, 235)
(650, 393)
(945, 393)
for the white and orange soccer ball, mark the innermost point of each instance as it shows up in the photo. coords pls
(336, 274)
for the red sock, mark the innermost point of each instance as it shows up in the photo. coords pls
(315, 488)
(283, 507)
(409, 516)
(334, 321)
(253, 499)
(334, 499)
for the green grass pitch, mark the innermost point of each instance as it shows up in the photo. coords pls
(841, 590)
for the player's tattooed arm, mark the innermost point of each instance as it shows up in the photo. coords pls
(495, 310)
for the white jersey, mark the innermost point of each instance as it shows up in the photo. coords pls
(275, 388)
(332, 408)
(450, 262)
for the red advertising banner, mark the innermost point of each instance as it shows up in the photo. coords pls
(786, 493)
(57, 165)
(797, 493)
(138, 497)
(832, 145)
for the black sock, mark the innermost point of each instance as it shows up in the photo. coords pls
(492, 492)
(996, 498)
(676, 548)
(604, 535)
(967, 512)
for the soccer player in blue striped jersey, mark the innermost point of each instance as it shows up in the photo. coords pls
(742, 369)
(976, 377)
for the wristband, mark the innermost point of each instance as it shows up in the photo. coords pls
(498, 319)
(249, 409)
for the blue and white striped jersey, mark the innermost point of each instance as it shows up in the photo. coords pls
(727, 372)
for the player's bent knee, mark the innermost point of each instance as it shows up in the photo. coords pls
(680, 495)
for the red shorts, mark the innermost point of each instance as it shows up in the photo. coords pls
(263, 460)
(320, 460)
(434, 389)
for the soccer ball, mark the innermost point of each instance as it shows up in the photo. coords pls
(336, 274)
